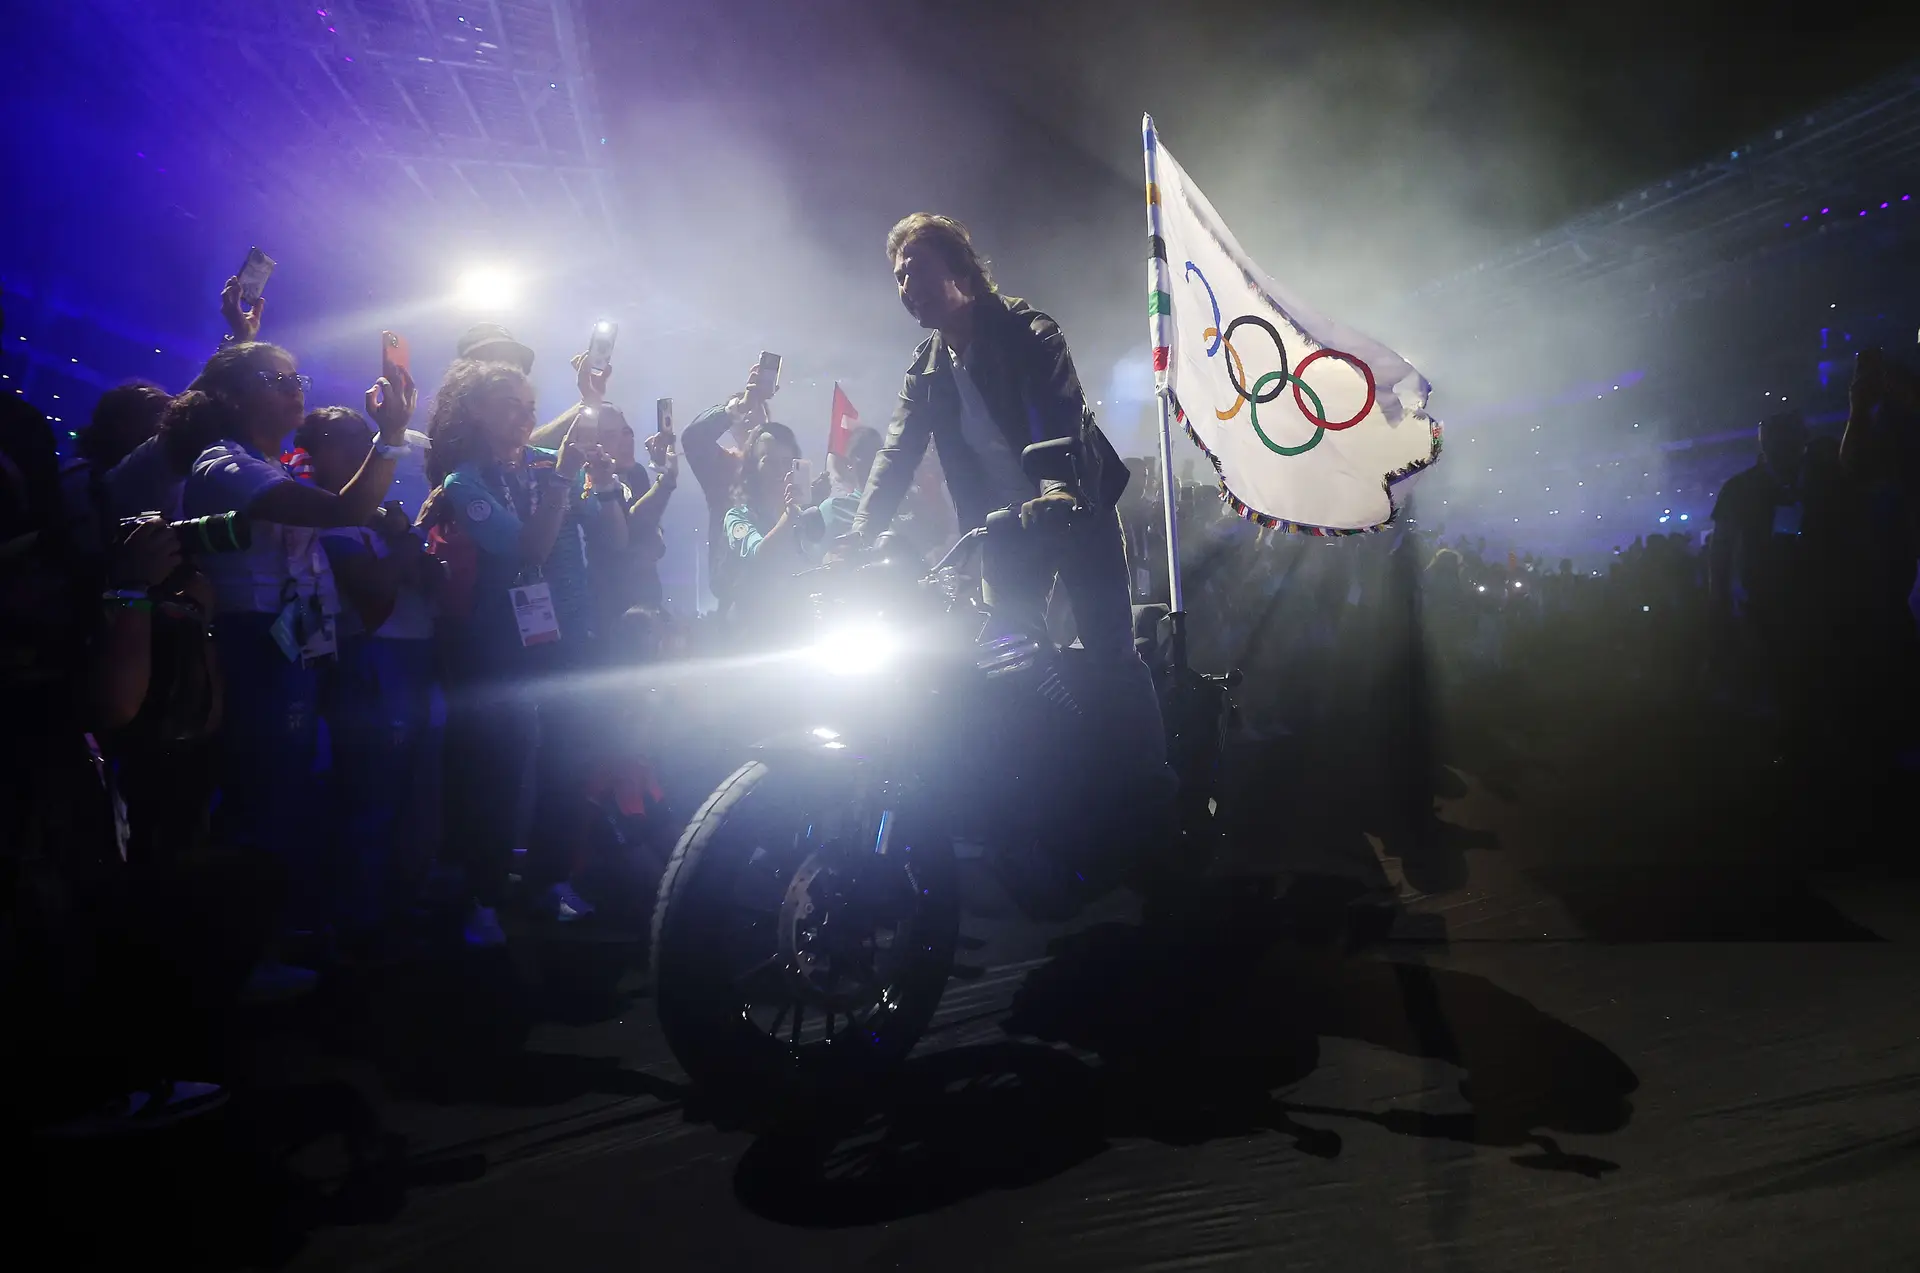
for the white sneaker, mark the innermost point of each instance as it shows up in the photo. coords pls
(565, 905)
(275, 982)
(483, 929)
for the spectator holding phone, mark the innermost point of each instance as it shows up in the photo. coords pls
(275, 600)
(717, 467)
(149, 475)
(509, 518)
(631, 580)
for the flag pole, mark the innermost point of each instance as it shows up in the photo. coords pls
(1160, 325)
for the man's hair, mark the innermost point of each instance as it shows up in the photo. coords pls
(125, 416)
(950, 239)
(1782, 423)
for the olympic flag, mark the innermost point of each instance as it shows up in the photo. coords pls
(1310, 424)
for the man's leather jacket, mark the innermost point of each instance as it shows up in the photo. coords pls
(1024, 371)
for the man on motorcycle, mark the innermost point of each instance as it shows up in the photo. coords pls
(994, 377)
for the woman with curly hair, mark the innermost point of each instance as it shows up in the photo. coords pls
(515, 523)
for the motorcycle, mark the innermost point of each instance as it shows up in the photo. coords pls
(806, 923)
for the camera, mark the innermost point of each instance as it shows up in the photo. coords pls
(214, 533)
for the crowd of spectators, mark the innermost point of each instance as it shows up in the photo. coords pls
(1786, 622)
(219, 585)
(298, 662)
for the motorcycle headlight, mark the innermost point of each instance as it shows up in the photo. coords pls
(858, 649)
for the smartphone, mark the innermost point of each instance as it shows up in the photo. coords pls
(254, 275)
(803, 481)
(663, 416)
(394, 353)
(769, 372)
(600, 345)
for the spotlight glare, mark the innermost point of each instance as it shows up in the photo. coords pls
(487, 287)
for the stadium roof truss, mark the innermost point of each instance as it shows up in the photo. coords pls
(483, 107)
(1830, 169)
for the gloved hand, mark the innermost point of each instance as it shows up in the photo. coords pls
(1047, 512)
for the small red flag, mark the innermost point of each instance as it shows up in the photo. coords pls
(840, 432)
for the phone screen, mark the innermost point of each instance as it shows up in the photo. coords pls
(802, 481)
(394, 352)
(663, 416)
(600, 345)
(254, 275)
(769, 371)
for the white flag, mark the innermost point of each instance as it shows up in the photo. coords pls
(1309, 423)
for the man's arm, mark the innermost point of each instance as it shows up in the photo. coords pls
(1052, 392)
(900, 455)
(650, 507)
(1056, 406)
(700, 443)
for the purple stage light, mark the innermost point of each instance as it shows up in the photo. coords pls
(1824, 211)
(1883, 205)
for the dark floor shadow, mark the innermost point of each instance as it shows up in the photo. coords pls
(1181, 1009)
(224, 1191)
(1730, 902)
(1191, 1034)
(952, 1125)
(455, 1030)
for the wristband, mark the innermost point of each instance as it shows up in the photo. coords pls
(130, 598)
(391, 450)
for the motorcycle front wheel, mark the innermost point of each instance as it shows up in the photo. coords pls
(802, 938)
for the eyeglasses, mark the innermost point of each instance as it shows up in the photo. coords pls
(285, 381)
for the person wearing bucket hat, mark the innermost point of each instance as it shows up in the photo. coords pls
(490, 342)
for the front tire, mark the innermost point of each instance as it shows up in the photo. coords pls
(794, 964)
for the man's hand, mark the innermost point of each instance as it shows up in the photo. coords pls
(822, 489)
(757, 392)
(1048, 512)
(664, 455)
(749, 406)
(582, 437)
(600, 470)
(242, 322)
(848, 547)
(391, 408)
(390, 522)
(593, 384)
(147, 556)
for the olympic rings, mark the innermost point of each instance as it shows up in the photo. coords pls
(1260, 394)
(1214, 331)
(1316, 416)
(1233, 356)
(1278, 348)
(1319, 431)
